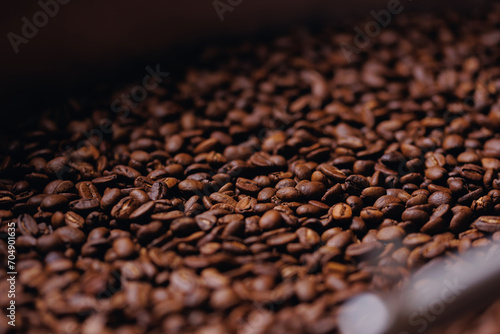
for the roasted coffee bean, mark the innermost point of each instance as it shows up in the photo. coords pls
(74, 220)
(439, 198)
(270, 220)
(489, 224)
(123, 247)
(110, 198)
(27, 225)
(71, 235)
(311, 190)
(307, 236)
(390, 234)
(84, 205)
(54, 203)
(125, 172)
(341, 212)
(124, 208)
(288, 194)
(247, 186)
(87, 190)
(143, 211)
(281, 239)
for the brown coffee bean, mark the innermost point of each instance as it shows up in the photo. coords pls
(74, 220)
(311, 190)
(270, 220)
(88, 190)
(247, 186)
(191, 186)
(124, 208)
(439, 198)
(363, 250)
(288, 194)
(27, 225)
(390, 234)
(143, 211)
(124, 248)
(281, 239)
(341, 212)
(71, 235)
(54, 203)
(489, 224)
(307, 236)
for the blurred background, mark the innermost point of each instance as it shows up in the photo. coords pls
(88, 43)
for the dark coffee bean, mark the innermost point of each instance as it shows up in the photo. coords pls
(266, 194)
(332, 173)
(288, 194)
(87, 190)
(390, 234)
(123, 247)
(54, 203)
(143, 211)
(270, 220)
(307, 236)
(438, 198)
(247, 186)
(125, 172)
(124, 208)
(416, 239)
(311, 190)
(110, 198)
(71, 235)
(489, 224)
(27, 225)
(84, 205)
(415, 215)
(363, 250)
(281, 239)
(49, 242)
(341, 212)
(74, 220)
(333, 194)
(246, 204)
(371, 215)
(308, 210)
(433, 249)
(355, 184)
(371, 194)
(472, 172)
(436, 173)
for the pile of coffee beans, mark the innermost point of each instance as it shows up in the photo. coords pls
(261, 189)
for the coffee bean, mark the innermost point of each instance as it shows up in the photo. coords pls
(439, 198)
(143, 211)
(270, 220)
(288, 194)
(71, 235)
(87, 190)
(54, 203)
(489, 224)
(390, 234)
(74, 220)
(124, 248)
(281, 239)
(124, 208)
(363, 250)
(307, 236)
(27, 225)
(311, 190)
(341, 212)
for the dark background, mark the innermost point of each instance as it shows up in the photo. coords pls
(89, 43)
